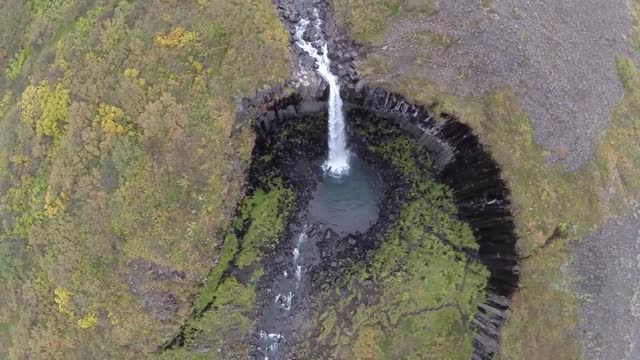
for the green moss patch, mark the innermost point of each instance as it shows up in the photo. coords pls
(634, 7)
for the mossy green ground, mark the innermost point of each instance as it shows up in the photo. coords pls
(224, 310)
(634, 6)
(551, 205)
(417, 297)
(121, 164)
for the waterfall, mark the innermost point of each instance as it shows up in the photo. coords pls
(337, 163)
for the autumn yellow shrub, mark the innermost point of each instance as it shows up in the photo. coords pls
(131, 73)
(48, 109)
(20, 160)
(54, 206)
(107, 116)
(30, 103)
(177, 38)
(89, 321)
(63, 297)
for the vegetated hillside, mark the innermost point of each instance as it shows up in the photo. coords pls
(121, 162)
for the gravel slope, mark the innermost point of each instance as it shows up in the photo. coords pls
(606, 268)
(559, 56)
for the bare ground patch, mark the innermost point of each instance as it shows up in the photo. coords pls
(558, 56)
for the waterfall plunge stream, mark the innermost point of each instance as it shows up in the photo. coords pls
(337, 163)
(346, 201)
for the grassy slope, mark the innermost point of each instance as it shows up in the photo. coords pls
(224, 307)
(634, 6)
(551, 204)
(118, 146)
(367, 19)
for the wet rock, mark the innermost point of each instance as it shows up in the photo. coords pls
(309, 62)
(294, 17)
(342, 71)
(287, 113)
(312, 107)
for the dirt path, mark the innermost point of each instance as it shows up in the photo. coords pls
(559, 57)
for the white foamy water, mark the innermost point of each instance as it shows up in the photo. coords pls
(302, 236)
(275, 339)
(285, 301)
(338, 162)
(298, 273)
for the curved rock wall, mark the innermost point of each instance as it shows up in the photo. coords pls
(464, 165)
(481, 194)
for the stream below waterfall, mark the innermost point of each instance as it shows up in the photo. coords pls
(344, 202)
(345, 205)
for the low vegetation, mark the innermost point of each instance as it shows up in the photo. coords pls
(486, 5)
(121, 164)
(634, 6)
(429, 42)
(368, 19)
